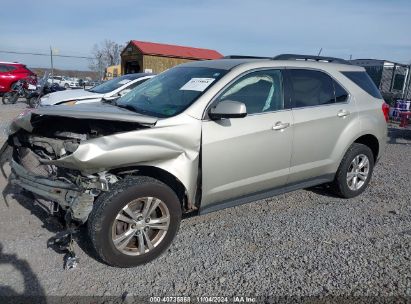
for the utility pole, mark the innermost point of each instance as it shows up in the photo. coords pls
(51, 61)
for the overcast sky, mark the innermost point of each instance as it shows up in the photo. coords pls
(361, 28)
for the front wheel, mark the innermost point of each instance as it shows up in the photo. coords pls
(354, 173)
(33, 102)
(135, 222)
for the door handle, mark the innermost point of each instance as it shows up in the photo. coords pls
(280, 125)
(343, 113)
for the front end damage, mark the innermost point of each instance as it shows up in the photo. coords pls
(56, 187)
(67, 156)
(66, 160)
(74, 194)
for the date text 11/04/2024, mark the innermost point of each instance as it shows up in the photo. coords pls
(203, 299)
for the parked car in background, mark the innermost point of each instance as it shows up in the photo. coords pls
(111, 89)
(199, 137)
(94, 83)
(64, 82)
(43, 88)
(11, 72)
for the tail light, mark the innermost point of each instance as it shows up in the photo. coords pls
(386, 111)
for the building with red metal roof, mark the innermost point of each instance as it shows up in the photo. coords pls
(140, 56)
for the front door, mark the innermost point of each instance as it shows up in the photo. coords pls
(242, 156)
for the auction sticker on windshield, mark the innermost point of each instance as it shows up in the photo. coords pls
(197, 84)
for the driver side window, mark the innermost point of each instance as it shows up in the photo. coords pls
(260, 91)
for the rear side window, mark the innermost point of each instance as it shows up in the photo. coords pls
(364, 82)
(3, 68)
(11, 68)
(311, 88)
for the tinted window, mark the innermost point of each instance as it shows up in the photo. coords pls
(3, 68)
(364, 82)
(311, 88)
(398, 82)
(341, 95)
(260, 91)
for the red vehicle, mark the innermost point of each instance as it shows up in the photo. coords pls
(11, 72)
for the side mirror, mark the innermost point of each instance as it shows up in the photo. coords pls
(228, 109)
(124, 92)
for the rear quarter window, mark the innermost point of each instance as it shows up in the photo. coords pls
(364, 81)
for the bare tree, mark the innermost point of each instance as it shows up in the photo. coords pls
(105, 53)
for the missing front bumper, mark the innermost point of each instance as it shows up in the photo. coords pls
(68, 196)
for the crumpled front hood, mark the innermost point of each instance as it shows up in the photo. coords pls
(97, 111)
(67, 95)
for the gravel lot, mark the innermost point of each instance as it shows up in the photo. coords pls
(304, 243)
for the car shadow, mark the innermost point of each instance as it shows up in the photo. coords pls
(323, 190)
(54, 224)
(33, 290)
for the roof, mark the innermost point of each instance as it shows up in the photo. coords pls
(223, 64)
(228, 64)
(14, 63)
(169, 50)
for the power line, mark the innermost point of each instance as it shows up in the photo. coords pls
(44, 54)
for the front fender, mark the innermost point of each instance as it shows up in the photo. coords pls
(174, 148)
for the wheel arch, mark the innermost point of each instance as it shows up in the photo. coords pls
(371, 141)
(160, 174)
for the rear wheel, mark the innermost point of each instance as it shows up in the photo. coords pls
(354, 173)
(135, 222)
(10, 98)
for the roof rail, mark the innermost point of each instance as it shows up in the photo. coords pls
(310, 58)
(244, 57)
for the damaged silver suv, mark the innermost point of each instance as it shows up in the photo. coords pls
(197, 138)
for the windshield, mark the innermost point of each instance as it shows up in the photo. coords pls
(111, 85)
(171, 92)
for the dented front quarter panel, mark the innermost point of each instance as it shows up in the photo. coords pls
(173, 145)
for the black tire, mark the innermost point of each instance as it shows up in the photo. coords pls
(9, 98)
(33, 102)
(66, 86)
(109, 204)
(340, 184)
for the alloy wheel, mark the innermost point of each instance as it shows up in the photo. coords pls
(358, 172)
(140, 226)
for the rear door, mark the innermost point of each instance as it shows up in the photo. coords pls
(242, 156)
(322, 109)
(3, 78)
(6, 77)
